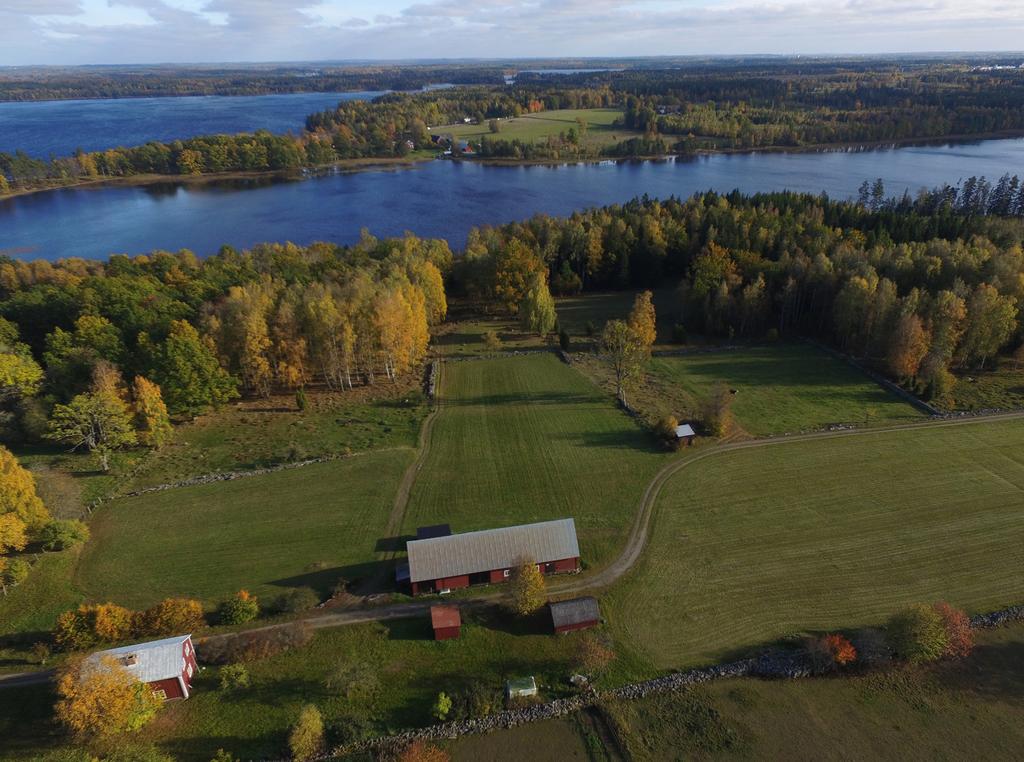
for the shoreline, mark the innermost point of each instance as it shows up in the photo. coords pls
(371, 164)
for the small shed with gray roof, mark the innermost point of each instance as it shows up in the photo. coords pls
(685, 434)
(574, 614)
(440, 564)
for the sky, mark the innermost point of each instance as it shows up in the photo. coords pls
(184, 31)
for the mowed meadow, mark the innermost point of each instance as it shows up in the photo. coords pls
(524, 439)
(754, 544)
(301, 527)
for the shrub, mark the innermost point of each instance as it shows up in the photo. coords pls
(492, 341)
(830, 652)
(350, 728)
(354, 680)
(297, 600)
(233, 677)
(563, 340)
(959, 633)
(13, 571)
(679, 333)
(89, 625)
(665, 430)
(918, 634)
(593, 655)
(421, 751)
(172, 616)
(590, 328)
(475, 701)
(717, 410)
(41, 652)
(239, 609)
(306, 739)
(137, 754)
(222, 755)
(442, 706)
(301, 400)
(253, 646)
(62, 534)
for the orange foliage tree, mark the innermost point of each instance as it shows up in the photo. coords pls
(421, 751)
(89, 625)
(842, 650)
(958, 630)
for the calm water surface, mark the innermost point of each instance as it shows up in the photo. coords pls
(59, 128)
(445, 199)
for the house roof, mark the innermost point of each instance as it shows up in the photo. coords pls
(445, 616)
(155, 660)
(684, 430)
(490, 549)
(575, 611)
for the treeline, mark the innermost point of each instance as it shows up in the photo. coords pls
(911, 287)
(152, 81)
(754, 110)
(200, 332)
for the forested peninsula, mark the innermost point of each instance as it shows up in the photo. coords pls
(587, 116)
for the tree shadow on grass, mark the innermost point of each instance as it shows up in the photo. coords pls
(412, 628)
(393, 544)
(994, 672)
(379, 574)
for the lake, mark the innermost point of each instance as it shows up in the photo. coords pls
(42, 128)
(445, 199)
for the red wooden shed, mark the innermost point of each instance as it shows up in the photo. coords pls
(446, 621)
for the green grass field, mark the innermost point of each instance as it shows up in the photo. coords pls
(755, 544)
(970, 709)
(531, 128)
(529, 439)
(785, 388)
(301, 527)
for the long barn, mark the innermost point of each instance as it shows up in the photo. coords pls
(439, 564)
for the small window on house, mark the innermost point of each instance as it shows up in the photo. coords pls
(507, 572)
(160, 694)
(549, 567)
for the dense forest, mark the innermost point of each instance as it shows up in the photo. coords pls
(916, 287)
(724, 107)
(60, 83)
(200, 332)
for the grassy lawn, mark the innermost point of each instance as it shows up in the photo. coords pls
(529, 439)
(784, 388)
(531, 128)
(306, 526)
(755, 544)
(258, 433)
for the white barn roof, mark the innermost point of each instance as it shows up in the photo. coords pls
(148, 662)
(491, 549)
(684, 430)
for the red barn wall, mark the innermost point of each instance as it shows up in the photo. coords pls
(446, 633)
(170, 686)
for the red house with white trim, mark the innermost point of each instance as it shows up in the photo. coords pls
(440, 564)
(167, 666)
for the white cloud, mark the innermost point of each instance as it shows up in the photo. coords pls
(211, 30)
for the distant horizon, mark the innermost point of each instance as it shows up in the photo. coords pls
(497, 60)
(198, 32)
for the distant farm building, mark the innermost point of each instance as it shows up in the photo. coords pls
(440, 564)
(576, 614)
(685, 434)
(446, 621)
(521, 687)
(167, 666)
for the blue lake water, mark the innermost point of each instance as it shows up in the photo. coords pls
(42, 128)
(445, 199)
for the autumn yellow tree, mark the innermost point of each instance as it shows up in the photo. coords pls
(642, 320)
(907, 347)
(13, 535)
(18, 493)
(98, 698)
(527, 589)
(151, 417)
(624, 353)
